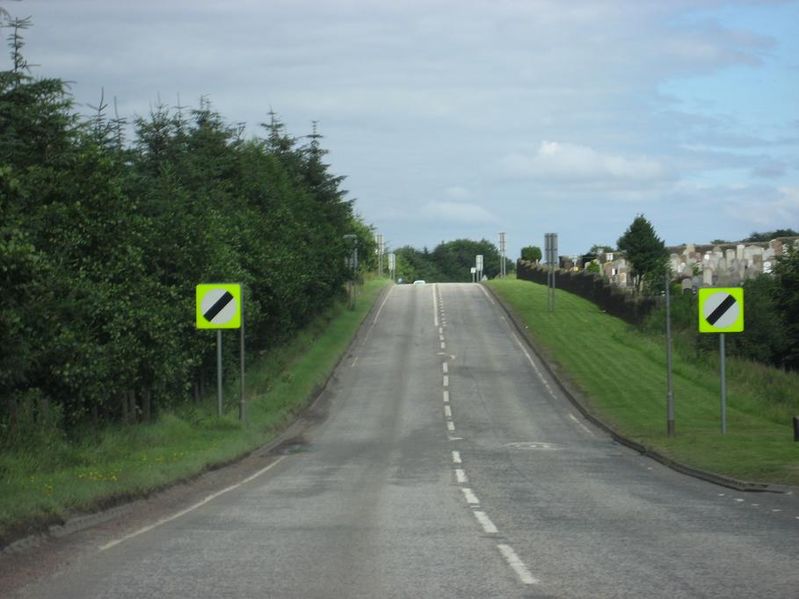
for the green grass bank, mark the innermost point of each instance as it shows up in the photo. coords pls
(620, 374)
(44, 486)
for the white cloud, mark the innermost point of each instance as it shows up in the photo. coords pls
(456, 192)
(555, 161)
(459, 212)
(777, 210)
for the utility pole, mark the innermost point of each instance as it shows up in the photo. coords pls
(380, 249)
(502, 265)
(551, 259)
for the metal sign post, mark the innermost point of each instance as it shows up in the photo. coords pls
(721, 310)
(473, 271)
(669, 387)
(218, 306)
(242, 405)
(479, 266)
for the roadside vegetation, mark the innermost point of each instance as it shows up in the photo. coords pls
(120, 461)
(106, 227)
(620, 373)
(107, 224)
(449, 261)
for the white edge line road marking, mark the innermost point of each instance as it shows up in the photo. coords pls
(456, 457)
(518, 565)
(460, 476)
(541, 376)
(485, 522)
(580, 424)
(450, 426)
(447, 411)
(435, 305)
(446, 396)
(470, 496)
(379, 311)
(354, 362)
(488, 295)
(201, 503)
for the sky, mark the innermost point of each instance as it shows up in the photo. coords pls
(460, 119)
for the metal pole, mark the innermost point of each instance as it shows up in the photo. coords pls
(219, 371)
(669, 387)
(723, 386)
(242, 406)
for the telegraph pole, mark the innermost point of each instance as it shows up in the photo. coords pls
(551, 258)
(502, 265)
(380, 250)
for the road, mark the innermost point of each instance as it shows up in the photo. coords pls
(448, 465)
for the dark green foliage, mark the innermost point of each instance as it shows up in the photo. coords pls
(769, 235)
(101, 247)
(645, 251)
(786, 300)
(449, 261)
(531, 253)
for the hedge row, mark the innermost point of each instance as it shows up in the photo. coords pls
(103, 239)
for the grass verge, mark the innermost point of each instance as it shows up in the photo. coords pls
(621, 375)
(120, 462)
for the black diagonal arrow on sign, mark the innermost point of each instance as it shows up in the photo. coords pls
(728, 303)
(218, 306)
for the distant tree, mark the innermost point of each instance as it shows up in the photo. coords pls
(786, 296)
(455, 258)
(596, 251)
(769, 235)
(645, 251)
(531, 253)
(593, 266)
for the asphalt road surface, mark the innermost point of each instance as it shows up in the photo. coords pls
(448, 465)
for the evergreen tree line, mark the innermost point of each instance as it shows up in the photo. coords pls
(450, 261)
(103, 240)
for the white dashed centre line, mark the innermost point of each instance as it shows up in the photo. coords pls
(456, 457)
(485, 522)
(450, 426)
(446, 381)
(460, 476)
(517, 564)
(471, 498)
(443, 345)
(448, 412)
(445, 368)
(446, 396)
